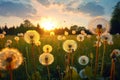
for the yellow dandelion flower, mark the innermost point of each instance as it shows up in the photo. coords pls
(47, 48)
(16, 38)
(38, 43)
(66, 33)
(52, 33)
(69, 46)
(31, 36)
(73, 32)
(46, 59)
(99, 25)
(2, 36)
(10, 56)
(80, 37)
(83, 60)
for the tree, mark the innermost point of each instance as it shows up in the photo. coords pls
(115, 20)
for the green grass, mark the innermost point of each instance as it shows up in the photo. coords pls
(84, 48)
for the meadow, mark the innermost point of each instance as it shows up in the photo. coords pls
(25, 71)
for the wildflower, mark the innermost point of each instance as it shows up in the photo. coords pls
(52, 33)
(46, 59)
(99, 25)
(10, 57)
(82, 74)
(47, 48)
(83, 60)
(80, 37)
(16, 38)
(70, 46)
(31, 36)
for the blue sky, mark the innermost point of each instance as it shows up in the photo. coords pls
(62, 12)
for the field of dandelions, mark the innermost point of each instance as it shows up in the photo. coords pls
(32, 56)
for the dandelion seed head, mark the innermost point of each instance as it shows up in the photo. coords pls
(99, 25)
(16, 38)
(66, 33)
(80, 37)
(10, 56)
(46, 59)
(31, 36)
(83, 60)
(47, 48)
(2, 36)
(70, 46)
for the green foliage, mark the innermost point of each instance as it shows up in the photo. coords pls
(115, 20)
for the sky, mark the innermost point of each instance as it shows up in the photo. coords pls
(61, 12)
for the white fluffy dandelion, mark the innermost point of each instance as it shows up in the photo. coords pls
(83, 60)
(69, 46)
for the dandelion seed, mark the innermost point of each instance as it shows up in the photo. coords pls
(20, 34)
(80, 37)
(47, 48)
(9, 41)
(83, 60)
(70, 46)
(4, 32)
(31, 36)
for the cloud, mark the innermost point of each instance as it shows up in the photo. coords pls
(9, 8)
(92, 8)
(44, 2)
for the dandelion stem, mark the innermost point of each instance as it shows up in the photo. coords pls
(48, 72)
(102, 66)
(112, 73)
(97, 54)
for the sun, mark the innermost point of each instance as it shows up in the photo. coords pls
(47, 23)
